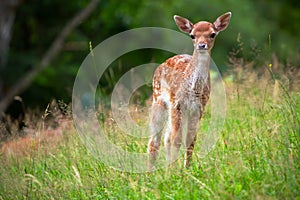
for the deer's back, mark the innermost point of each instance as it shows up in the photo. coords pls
(168, 75)
(170, 82)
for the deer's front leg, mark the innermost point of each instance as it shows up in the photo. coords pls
(191, 136)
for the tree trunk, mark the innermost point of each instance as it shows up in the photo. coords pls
(48, 57)
(7, 16)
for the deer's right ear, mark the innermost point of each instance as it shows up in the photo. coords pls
(183, 24)
(222, 22)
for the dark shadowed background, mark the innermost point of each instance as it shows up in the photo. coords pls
(28, 29)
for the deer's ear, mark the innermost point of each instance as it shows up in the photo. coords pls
(222, 22)
(183, 24)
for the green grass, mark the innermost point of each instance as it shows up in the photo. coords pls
(256, 157)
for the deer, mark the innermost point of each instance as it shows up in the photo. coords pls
(181, 90)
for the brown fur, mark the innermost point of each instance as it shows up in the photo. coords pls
(181, 87)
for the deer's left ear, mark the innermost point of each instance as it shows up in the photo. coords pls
(222, 22)
(183, 24)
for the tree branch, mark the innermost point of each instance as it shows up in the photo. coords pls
(52, 52)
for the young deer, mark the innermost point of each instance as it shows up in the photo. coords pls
(181, 88)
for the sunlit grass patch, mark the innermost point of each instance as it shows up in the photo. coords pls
(256, 156)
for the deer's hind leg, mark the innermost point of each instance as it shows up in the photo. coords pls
(157, 120)
(173, 136)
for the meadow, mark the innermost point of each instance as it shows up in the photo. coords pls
(256, 156)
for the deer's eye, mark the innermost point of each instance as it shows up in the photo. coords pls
(192, 36)
(213, 35)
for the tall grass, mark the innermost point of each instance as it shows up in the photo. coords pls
(256, 156)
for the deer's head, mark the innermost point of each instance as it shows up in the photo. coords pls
(203, 33)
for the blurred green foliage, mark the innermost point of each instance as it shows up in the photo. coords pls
(38, 22)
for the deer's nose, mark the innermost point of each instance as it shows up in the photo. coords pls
(202, 46)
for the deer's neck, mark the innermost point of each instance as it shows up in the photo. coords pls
(198, 68)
